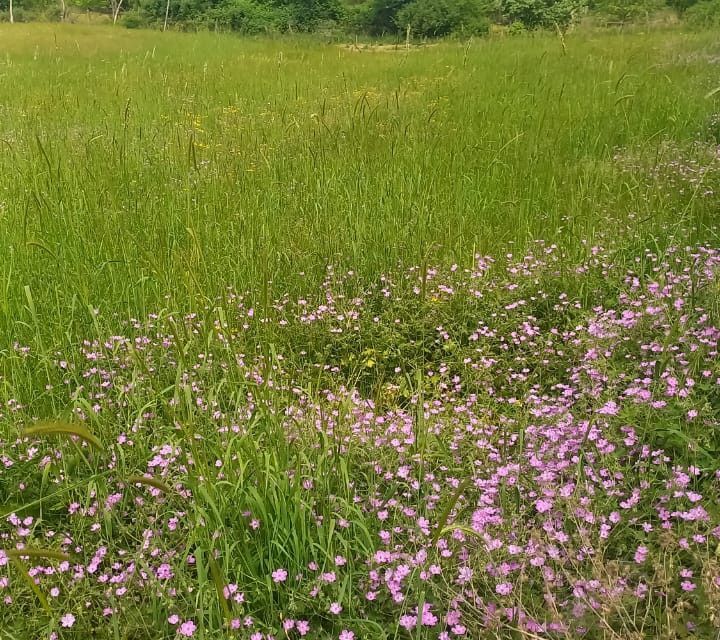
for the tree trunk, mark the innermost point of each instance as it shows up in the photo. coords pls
(62, 10)
(116, 4)
(12, 18)
(167, 11)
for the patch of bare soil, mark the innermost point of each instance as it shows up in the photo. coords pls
(377, 48)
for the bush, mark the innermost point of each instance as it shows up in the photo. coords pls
(516, 29)
(382, 16)
(542, 13)
(19, 15)
(307, 15)
(433, 18)
(628, 10)
(358, 18)
(248, 17)
(133, 20)
(681, 6)
(245, 16)
(704, 14)
(53, 13)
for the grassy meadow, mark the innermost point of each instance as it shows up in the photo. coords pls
(307, 340)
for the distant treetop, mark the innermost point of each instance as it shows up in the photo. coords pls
(419, 18)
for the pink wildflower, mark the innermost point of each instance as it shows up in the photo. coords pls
(187, 628)
(279, 575)
(641, 554)
(67, 621)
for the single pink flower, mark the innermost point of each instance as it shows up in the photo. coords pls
(67, 621)
(641, 554)
(187, 628)
(279, 575)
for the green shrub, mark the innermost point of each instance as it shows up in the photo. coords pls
(516, 29)
(20, 14)
(244, 16)
(52, 13)
(307, 15)
(542, 13)
(358, 17)
(248, 17)
(133, 20)
(382, 16)
(704, 14)
(434, 18)
(628, 10)
(681, 6)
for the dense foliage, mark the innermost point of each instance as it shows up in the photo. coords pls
(442, 17)
(542, 13)
(424, 18)
(704, 14)
(628, 10)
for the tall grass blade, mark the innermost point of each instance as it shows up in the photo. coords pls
(64, 429)
(49, 554)
(150, 482)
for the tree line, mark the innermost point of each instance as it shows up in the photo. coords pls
(422, 18)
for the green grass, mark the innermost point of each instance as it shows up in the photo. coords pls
(137, 165)
(148, 181)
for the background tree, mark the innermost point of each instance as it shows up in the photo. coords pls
(95, 6)
(7, 6)
(704, 14)
(542, 13)
(382, 16)
(681, 5)
(628, 10)
(433, 18)
(426, 18)
(307, 14)
(24, 10)
(115, 6)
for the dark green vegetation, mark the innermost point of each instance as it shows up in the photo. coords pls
(338, 18)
